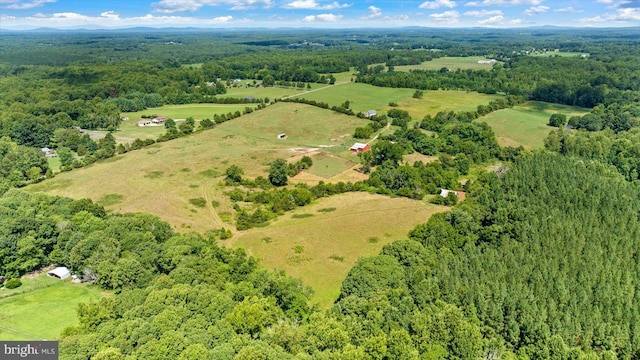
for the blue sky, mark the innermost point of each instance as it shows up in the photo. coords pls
(25, 14)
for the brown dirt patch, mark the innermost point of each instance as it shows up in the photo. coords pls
(302, 151)
(337, 138)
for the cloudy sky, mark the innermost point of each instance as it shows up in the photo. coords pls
(25, 14)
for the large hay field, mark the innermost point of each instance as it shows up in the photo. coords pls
(363, 97)
(526, 124)
(42, 307)
(452, 63)
(271, 92)
(162, 178)
(434, 101)
(321, 242)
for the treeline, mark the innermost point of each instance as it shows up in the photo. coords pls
(20, 165)
(621, 150)
(271, 202)
(115, 251)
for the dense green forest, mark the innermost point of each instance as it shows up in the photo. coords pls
(540, 261)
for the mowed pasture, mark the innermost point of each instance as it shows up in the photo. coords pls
(434, 101)
(197, 111)
(560, 54)
(362, 97)
(452, 63)
(271, 92)
(42, 307)
(129, 129)
(526, 124)
(162, 178)
(320, 243)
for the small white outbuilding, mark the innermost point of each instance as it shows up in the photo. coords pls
(59, 272)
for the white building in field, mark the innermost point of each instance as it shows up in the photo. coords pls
(59, 272)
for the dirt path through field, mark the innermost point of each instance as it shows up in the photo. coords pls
(215, 218)
(314, 90)
(14, 331)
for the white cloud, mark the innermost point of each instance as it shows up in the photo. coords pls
(629, 14)
(402, 17)
(110, 19)
(483, 13)
(623, 15)
(18, 5)
(110, 15)
(536, 10)
(569, 9)
(314, 5)
(322, 18)
(448, 17)
(492, 20)
(223, 19)
(436, 4)
(374, 12)
(505, 3)
(172, 6)
(516, 22)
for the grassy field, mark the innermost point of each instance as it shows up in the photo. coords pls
(434, 101)
(129, 130)
(197, 111)
(526, 124)
(363, 97)
(327, 166)
(451, 63)
(161, 179)
(54, 163)
(273, 92)
(42, 307)
(559, 53)
(321, 242)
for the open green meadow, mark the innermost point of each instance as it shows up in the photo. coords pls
(451, 63)
(344, 77)
(197, 111)
(129, 129)
(161, 179)
(42, 307)
(320, 243)
(559, 53)
(271, 92)
(327, 165)
(363, 97)
(526, 124)
(434, 101)
(54, 163)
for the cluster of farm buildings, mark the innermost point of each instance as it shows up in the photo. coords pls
(156, 121)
